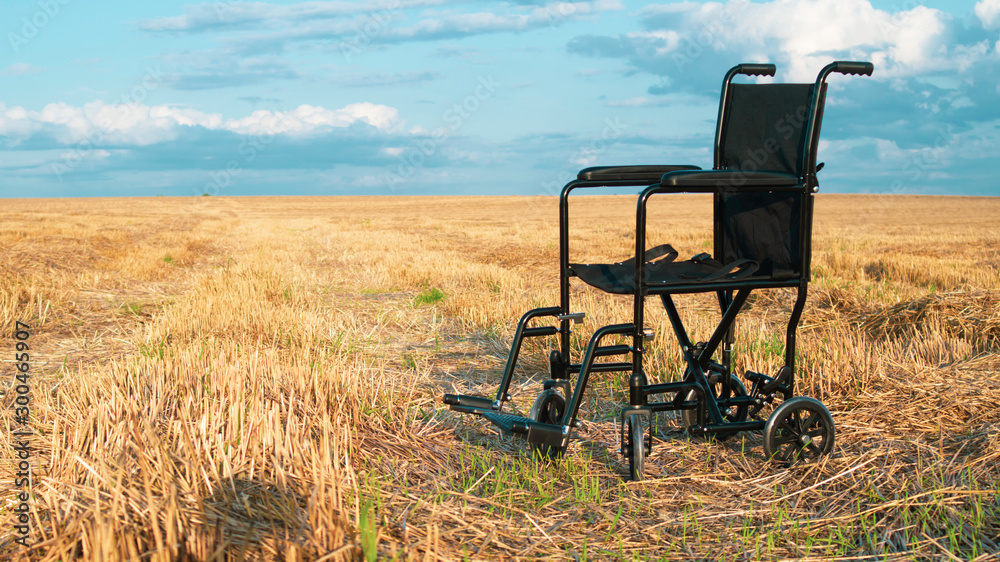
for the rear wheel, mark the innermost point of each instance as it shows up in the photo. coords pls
(800, 428)
(737, 413)
(549, 408)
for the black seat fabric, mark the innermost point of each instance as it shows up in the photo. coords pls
(764, 227)
(619, 278)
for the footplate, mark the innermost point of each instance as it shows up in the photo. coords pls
(508, 422)
(537, 433)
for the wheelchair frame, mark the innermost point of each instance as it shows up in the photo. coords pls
(712, 400)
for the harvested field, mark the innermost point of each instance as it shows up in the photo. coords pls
(260, 378)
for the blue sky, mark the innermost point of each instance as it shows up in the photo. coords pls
(402, 97)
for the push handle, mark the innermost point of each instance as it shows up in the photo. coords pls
(850, 67)
(751, 69)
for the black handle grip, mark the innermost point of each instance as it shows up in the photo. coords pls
(850, 67)
(751, 69)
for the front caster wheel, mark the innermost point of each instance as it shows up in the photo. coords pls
(548, 408)
(800, 428)
(636, 445)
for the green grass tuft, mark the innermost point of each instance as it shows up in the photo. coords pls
(429, 296)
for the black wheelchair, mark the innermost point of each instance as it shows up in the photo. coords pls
(762, 184)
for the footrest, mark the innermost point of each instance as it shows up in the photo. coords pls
(467, 403)
(508, 422)
(537, 432)
(768, 384)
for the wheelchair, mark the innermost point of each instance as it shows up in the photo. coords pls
(762, 184)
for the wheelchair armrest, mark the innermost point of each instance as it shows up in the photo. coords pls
(728, 178)
(639, 174)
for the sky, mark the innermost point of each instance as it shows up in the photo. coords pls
(473, 97)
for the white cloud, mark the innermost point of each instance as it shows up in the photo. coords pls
(358, 25)
(988, 12)
(20, 69)
(801, 36)
(141, 125)
(308, 118)
(638, 101)
(808, 34)
(200, 17)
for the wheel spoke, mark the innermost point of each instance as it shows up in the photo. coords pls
(788, 452)
(805, 427)
(779, 440)
(790, 428)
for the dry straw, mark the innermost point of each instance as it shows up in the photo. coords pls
(220, 379)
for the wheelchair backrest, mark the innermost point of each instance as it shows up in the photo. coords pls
(765, 227)
(764, 128)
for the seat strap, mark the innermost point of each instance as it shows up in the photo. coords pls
(665, 251)
(733, 270)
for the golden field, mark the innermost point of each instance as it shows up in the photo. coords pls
(260, 378)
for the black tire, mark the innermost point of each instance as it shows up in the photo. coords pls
(549, 407)
(636, 431)
(800, 428)
(732, 414)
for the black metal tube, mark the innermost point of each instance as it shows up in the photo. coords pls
(675, 321)
(670, 406)
(720, 331)
(717, 162)
(733, 427)
(573, 407)
(564, 270)
(793, 324)
(695, 365)
(736, 284)
(639, 296)
(666, 387)
(812, 128)
(602, 367)
(515, 347)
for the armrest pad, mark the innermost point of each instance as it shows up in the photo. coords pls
(644, 174)
(728, 178)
